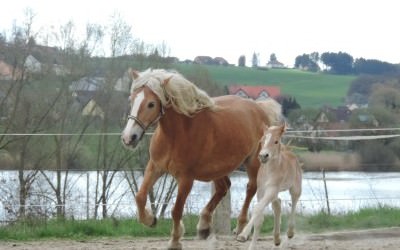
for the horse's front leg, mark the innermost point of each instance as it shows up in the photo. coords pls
(151, 175)
(178, 229)
(252, 170)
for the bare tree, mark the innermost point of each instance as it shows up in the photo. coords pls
(66, 119)
(121, 36)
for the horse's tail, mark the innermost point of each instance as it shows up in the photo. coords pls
(273, 110)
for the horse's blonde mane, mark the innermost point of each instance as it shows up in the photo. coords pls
(174, 90)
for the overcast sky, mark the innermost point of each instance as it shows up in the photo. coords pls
(230, 28)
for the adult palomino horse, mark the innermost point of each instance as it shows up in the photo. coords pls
(280, 170)
(197, 138)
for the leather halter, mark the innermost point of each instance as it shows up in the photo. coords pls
(141, 124)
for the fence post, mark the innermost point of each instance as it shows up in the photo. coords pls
(326, 191)
(222, 214)
(87, 196)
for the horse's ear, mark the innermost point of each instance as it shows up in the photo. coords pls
(133, 73)
(283, 127)
(166, 81)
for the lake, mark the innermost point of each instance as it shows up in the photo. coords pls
(347, 191)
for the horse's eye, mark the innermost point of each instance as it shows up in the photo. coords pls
(276, 142)
(151, 105)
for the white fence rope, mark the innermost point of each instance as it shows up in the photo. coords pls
(288, 134)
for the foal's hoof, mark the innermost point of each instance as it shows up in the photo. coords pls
(203, 233)
(241, 238)
(174, 248)
(154, 223)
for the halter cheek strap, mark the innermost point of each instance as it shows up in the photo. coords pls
(142, 125)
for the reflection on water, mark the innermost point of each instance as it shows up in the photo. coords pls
(347, 191)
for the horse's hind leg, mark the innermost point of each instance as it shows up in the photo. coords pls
(252, 170)
(276, 206)
(178, 229)
(151, 175)
(295, 194)
(221, 188)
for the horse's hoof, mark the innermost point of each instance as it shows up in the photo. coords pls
(241, 238)
(277, 241)
(154, 223)
(290, 235)
(175, 246)
(203, 233)
(236, 231)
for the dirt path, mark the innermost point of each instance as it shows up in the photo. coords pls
(387, 238)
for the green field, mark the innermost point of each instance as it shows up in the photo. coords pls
(34, 229)
(309, 89)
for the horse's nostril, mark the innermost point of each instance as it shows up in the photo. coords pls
(133, 138)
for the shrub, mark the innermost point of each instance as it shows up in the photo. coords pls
(376, 157)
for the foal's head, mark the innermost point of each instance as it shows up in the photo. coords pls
(146, 110)
(271, 142)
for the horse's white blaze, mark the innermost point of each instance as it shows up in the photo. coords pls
(130, 127)
(264, 149)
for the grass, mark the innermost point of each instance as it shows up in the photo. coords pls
(309, 89)
(73, 229)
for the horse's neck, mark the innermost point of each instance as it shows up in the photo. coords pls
(172, 121)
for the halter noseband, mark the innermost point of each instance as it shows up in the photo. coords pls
(141, 124)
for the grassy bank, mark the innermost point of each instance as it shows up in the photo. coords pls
(72, 229)
(310, 89)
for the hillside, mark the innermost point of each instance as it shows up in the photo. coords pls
(309, 89)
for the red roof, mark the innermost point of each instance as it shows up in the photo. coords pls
(255, 91)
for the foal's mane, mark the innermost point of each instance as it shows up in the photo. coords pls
(174, 90)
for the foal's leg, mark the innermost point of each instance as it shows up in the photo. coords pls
(151, 175)
(270, 194)
(295, 194)
(258, 222)
(221, 188)
(252, 170)
(276, 206)
(178, 229)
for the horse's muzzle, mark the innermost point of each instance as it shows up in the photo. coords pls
(131, 142)
(263, 158)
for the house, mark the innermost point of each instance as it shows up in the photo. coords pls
(92, 100)
(6, 70)
(123, 83)
(254, 92)
(275, 65)
(93, 109)
(32, 65)
(87, 84)
(4, 106)
(340, 114)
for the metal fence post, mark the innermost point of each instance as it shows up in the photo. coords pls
(87, 196)
(326, 191)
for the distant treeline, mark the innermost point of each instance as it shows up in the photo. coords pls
(344, 63)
